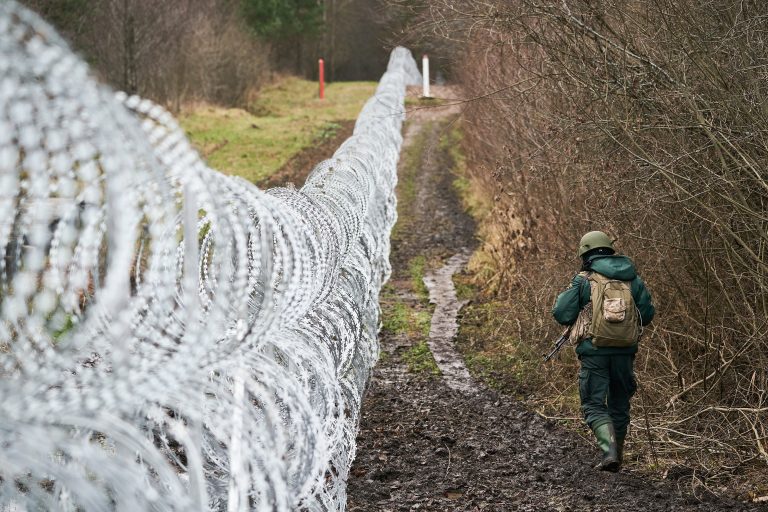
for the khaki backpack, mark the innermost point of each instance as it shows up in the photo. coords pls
(611, 318)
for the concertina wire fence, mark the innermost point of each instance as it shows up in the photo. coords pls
(173, 338)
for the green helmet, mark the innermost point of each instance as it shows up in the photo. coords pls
(593, 240)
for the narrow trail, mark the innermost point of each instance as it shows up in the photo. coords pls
(446, 443)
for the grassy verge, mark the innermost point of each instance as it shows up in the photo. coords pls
(286, 118)
(475, 202)
(496, 348)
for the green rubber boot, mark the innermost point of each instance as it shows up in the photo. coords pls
(620, 449)
(606, 440)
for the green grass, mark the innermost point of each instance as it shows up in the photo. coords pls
(411, 319)
(416, 270)
(286, 118)
(384, 356)
(491, 348)
(422, 321)
(452, 142)
(395, 317)
(465, 290)
(399, 318)
(419, 359)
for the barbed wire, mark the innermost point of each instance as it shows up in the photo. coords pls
(174, 338)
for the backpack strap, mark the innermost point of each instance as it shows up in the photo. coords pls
(586, 277)
(584, 320)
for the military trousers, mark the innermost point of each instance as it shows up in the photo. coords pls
(606, 385)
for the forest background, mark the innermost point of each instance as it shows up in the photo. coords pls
(223, 51)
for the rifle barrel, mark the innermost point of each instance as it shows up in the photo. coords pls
(559, 343)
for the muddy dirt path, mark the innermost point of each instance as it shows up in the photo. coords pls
(426, 445)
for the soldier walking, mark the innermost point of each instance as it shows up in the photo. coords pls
(608, 305)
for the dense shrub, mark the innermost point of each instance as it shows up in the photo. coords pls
(646, 120)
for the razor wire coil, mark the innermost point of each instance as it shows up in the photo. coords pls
(173, 338)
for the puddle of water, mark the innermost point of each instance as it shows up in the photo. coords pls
(444, 326)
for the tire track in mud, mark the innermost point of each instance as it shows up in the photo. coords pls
(423, 444)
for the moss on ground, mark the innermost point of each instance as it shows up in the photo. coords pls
(286, 117)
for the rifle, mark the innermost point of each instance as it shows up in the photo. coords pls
(562, 340)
